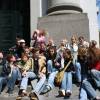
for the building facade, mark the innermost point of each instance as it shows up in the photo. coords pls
(44, 7)
(21, 18)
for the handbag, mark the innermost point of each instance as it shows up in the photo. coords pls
(59, 76)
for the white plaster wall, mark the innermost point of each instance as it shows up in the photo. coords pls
(35, 12)
(89, 6)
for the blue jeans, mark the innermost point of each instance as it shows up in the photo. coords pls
(24, 81)
(86, 85)
(49, 66)
(3, 80)
(10, 81)
(39, 84)
(83, 95)
(96, 76)
(51, 79)
(78, 71)
(67, 82)
(15, 75)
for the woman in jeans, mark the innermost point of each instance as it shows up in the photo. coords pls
(74, 51)
(66, 85)
(10, 73)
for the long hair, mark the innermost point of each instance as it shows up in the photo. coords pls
(94, 55)
(67, 54)
(74, 39)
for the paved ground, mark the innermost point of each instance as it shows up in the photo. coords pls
(52, 95)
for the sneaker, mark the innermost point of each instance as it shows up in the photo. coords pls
(22, 93)
(68, 94)
(46, 90)
(18, 98)
(33, 96)
(62, 93)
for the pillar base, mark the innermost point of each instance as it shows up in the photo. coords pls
(64, 25)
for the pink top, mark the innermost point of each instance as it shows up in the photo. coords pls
(41, 39)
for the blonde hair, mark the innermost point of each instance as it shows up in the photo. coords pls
(75, 38)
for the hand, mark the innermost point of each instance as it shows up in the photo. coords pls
(11, 66)
(41, 75)
(57, 64)
(24, 73)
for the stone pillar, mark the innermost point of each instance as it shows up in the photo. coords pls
(63, 6)
(67, 18)
(64, 26)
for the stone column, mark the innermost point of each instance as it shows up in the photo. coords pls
(63, 6)
(67, 18)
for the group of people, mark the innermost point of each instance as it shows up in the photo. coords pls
(40, 63)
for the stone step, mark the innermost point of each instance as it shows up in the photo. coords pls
(52, 95)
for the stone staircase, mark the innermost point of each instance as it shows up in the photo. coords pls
(52, 95)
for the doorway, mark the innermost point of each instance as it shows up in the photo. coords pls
(14, 21)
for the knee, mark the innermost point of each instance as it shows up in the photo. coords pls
(52, 76)
(49, 62)
(93, 71)
(1, 79)
(85, 83)
(44, 77)
(78, 66)
(14, 71)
